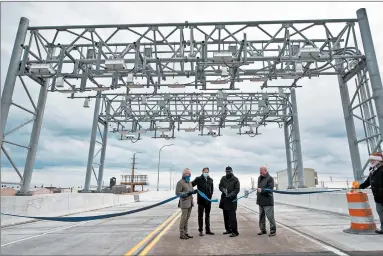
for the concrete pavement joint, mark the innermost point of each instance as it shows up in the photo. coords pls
(324, 244)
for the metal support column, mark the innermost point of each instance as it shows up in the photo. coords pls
(10, 80)
(297, 140)
(288, 151)
(34, 141)
(372, 65)
(350, 126)
(92, 143)
(103, 150)
(35, 135)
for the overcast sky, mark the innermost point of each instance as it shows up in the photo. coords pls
(63, 147)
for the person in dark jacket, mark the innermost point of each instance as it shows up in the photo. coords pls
(204, 184)
(230, 187)
(375, 180)
(265, 200)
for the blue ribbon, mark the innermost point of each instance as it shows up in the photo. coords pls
(105, 216)
(289, 192)
(97, 217)
(206, 198)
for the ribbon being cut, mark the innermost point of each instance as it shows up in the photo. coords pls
(105, 216)
(289, 192)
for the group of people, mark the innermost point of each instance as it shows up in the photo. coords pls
(229, 186)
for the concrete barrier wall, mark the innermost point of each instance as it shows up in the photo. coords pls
(335, 202)
(53, 205)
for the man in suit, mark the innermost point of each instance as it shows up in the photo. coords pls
(230, 187)
(184, 189)
(204, 184)
(265, 200)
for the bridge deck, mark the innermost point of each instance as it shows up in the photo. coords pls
(248, 242)
(299, 232)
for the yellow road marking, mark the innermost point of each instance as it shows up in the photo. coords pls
(155, 241)
(151, 234)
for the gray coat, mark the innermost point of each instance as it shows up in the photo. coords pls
(183, 187)
(265, 198)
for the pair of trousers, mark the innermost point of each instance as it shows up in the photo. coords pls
(206, 209)
(267, 211)
(379, 210)
(230, 219)
(185, 215)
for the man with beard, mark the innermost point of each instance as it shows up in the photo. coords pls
(204, 184)
(265, 200)
(375, 180)
(230, 187)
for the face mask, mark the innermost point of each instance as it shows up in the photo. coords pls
(374, 163)
(229, 175)
(187, 178)
(205, 174)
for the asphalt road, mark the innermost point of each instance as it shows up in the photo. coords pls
(113, 236)
(120, 235)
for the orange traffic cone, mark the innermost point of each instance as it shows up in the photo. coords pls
(362, 220)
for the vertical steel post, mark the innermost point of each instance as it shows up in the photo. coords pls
(372, 65)
(103, 150)
(10, 80)
(34, 141)
(35, 136)
(288, 151)
(297, 140)
(350, 125)
(92, 143)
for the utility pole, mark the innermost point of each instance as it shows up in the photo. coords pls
(133, 167)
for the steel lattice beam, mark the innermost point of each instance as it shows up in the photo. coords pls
(160, 53)
(169, 111)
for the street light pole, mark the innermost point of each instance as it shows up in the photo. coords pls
(170, 178)
(158, 168)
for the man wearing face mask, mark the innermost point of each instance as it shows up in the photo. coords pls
(184, 189)
(265, 200)
(230, 187)
(375, 180)
(204, 184)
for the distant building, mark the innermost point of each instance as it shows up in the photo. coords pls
(40, 191)
(66, 190)
(7, 191)
(310, 178)
(13, 185)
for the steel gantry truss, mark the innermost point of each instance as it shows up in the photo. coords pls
(208, 111)
(93, 59)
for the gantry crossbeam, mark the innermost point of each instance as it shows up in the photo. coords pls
(159, 55)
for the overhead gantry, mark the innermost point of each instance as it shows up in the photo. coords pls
(114, 64)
